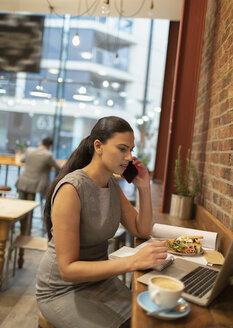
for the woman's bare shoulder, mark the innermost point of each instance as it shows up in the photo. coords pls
(66, 192)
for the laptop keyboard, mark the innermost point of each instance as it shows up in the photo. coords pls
(199, 281)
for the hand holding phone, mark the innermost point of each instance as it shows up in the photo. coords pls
(130, 172)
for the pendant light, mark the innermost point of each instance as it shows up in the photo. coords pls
(39, 91)
(151, 11)
(76, 40)
(76, 37)
(105, 8)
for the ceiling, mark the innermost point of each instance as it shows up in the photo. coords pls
(163, 9)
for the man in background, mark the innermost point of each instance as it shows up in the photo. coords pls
(35, 176)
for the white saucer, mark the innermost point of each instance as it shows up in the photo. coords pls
(145, 302)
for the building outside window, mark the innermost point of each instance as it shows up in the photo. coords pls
(117, 69)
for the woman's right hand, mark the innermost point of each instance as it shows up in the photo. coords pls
(149, 256)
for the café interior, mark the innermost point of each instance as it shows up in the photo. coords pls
(166, 68)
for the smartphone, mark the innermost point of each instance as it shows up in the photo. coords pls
(130, 172)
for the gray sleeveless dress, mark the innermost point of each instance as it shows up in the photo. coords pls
(102, 304)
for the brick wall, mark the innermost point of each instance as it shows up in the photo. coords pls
(212, 148)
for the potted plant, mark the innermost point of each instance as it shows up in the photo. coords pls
(186, 184)
(19, 150)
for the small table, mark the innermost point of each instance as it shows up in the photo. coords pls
(11, 211)
(218, 314)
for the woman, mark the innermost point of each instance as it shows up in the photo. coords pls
(77, 286)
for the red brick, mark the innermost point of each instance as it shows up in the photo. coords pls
(213, 130)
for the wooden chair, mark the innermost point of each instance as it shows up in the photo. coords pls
(119, 238)
(44, 323)
(24, 242)
(6, 192)
(4, 188)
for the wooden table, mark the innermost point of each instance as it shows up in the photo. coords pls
(11, 211)
(219, 313)
(8, 160)
(11, 160)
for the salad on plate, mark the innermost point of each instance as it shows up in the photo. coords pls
(185, 245)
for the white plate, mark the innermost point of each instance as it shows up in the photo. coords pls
(145, 302)
(183, 254)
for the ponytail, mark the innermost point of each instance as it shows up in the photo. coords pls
(80, 158)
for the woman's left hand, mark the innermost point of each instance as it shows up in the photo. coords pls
(143, 177)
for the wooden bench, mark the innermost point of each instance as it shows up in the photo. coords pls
(209, 223)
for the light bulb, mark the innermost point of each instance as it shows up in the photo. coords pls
(76, 40)
(105, 84)
(105, 7)
(39, 87)
(116, 59)
(110, 102)
(139, 121)
(151, 11)
(82, 90)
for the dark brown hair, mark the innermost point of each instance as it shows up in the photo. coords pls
(82, 156)
(47, 142)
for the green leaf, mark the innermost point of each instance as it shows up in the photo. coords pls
(186, 181)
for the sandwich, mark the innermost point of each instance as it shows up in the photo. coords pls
(188, 245)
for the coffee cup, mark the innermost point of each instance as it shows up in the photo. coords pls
(165, 291)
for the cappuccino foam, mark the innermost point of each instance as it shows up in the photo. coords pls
(166, 283)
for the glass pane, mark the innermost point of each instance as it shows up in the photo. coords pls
(115, 70)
